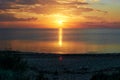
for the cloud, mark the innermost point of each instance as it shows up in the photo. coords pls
(102, 11)
(89, 0)
(27, 2)
(103, 24)
(46, 6)
(95, 0)
(10, 17)
(94, 24)
(8, 6)
(8, 1)
(94, 18)
(70, 8)
(81, 10)
(52, 6)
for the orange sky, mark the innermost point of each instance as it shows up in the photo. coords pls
(48, 13)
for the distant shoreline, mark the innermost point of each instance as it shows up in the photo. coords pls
(35, 54)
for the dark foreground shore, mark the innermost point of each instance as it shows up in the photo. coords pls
(16, 65)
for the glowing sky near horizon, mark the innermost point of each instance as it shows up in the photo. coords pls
(73, 13)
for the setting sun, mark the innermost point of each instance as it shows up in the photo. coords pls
(60, 22)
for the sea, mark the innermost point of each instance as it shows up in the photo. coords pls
(66, 41)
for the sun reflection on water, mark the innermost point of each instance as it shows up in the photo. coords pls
(60, 37)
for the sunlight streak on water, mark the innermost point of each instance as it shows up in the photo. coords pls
(60, 37)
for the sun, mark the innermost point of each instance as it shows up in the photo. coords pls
(60, 22)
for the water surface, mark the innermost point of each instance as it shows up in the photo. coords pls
(73, 40)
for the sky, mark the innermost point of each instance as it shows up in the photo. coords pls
(50, 13)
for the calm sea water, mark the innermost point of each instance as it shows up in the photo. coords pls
(73, 40)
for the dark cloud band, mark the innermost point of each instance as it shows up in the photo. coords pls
(11, 17)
